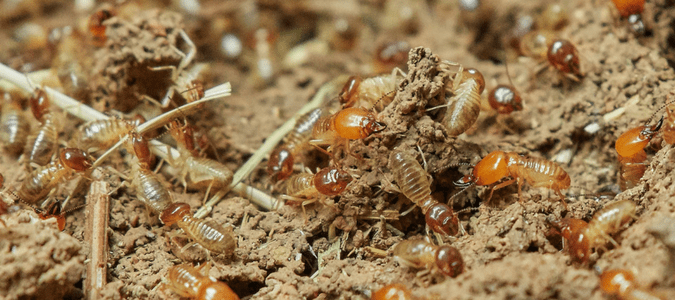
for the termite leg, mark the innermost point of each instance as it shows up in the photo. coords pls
(562, 198)
(505, 184)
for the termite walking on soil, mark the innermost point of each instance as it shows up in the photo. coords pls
(464, 104)
(307, 188)
(632, 156)
(582, 236)
(537, 172)
(42, 144)
(421, 254)
(280, 164)
(14, 126)
(561, 54)
(505, 99)
(414, 183)
(394, 291)
(208, 234)
(621, 283)
(188, 281)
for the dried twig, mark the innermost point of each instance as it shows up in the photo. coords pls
(95, 235)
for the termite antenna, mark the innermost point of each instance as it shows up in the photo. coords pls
(466, 186)
(467, 209)
(387, 94)
(508, 75)
(668, 102)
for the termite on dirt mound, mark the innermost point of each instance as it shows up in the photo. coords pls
(632, 156)
(582, 237)
(463, 102)
(394, 291)
(632, 11)
(41, 181)
(188, 281)
(421, 254)
(621, 283)
(414, 183)
(210, 235)
(348, 124)
(308, 188)
(42, 143)
(538, 172)
(101, 134)
(14, 126)
(280, 164)
(376, 92)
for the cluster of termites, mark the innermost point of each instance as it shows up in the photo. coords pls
(354, 115)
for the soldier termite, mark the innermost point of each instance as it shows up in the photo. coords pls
(632, 156)
(347, 124)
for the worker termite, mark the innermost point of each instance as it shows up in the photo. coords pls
(375, 92)
(632, 156)
(535, 44)
(347, 124)
(101, 134)
(632, 10)
(464, 100)
(14, 126)
(307, 188)
(149, 188)
(188, 281)
(563, 56)
(198, 171)
(280, 164)
(582, 237)
(210, 235)
(43, 180)
(621, 283)
(394, 291)
(505, 99)
(421, 254)
(414, 183)
(537, 172)
(96, 27)
(42, 143)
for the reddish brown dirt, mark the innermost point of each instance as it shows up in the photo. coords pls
(508, 249)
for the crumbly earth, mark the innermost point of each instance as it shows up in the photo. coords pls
(342, 248)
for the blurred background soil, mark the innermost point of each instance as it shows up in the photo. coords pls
(344, 251)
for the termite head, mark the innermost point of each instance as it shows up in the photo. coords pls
(391, 292)
(357, 123)
(53, 210)
(76, 159)
(137, 120)
(505, 99)
(476, 75)
(442, 219)
(449, 261)
(96, 27)
(280, 165)
(616, 282)
(636, 139)
(489, 170)
(174, 212)
(332, 181)
(39, 103)
(636, 24)
(142, 150)
(350, 91)
(564, 56)
(183, 134)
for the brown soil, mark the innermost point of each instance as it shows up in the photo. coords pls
(508, 249)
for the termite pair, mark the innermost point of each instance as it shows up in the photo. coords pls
(421, 254)
(582, 237)
(188, 281)
(622, 283)
(537, 172)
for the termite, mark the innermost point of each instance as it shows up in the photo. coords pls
(96, 27)
(390, 55)
(101, 134)
(394, 291)
(414, 183)
(535, 44)
(188, 281)
(280, 164)
(347, 124)
(505, 99)
(632, 156)
(563, 56)
(583, 237)
(43, 180)
(308, 188)
(198, 171)
(14, 126)
(149, 188)
(421, 254)
(42, 144)
(621, 283)
(210, 235)
(464, 102)
(632, 10)
(376, 91)
(537, 172)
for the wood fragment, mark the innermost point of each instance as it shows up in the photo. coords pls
(95, 234)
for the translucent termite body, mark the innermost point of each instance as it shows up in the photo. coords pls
(464, 103)
(42, 144)
(537, 172)
(421, 254)
(188, 281)
(414, 183)
(149, 188)
(621, 283)
(14, 126)
(280, 164)
(102, 134)
(210, 235)
(632, 156)
(379, 90)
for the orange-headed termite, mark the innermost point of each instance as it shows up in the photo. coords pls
(149, 188)
(210, 235)
(537, 172)
(422, 254)
(505, 99)
(632, 156)
(414, 183)
(188, 281)
(621, 283)
(564, 56)
(96, 27)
